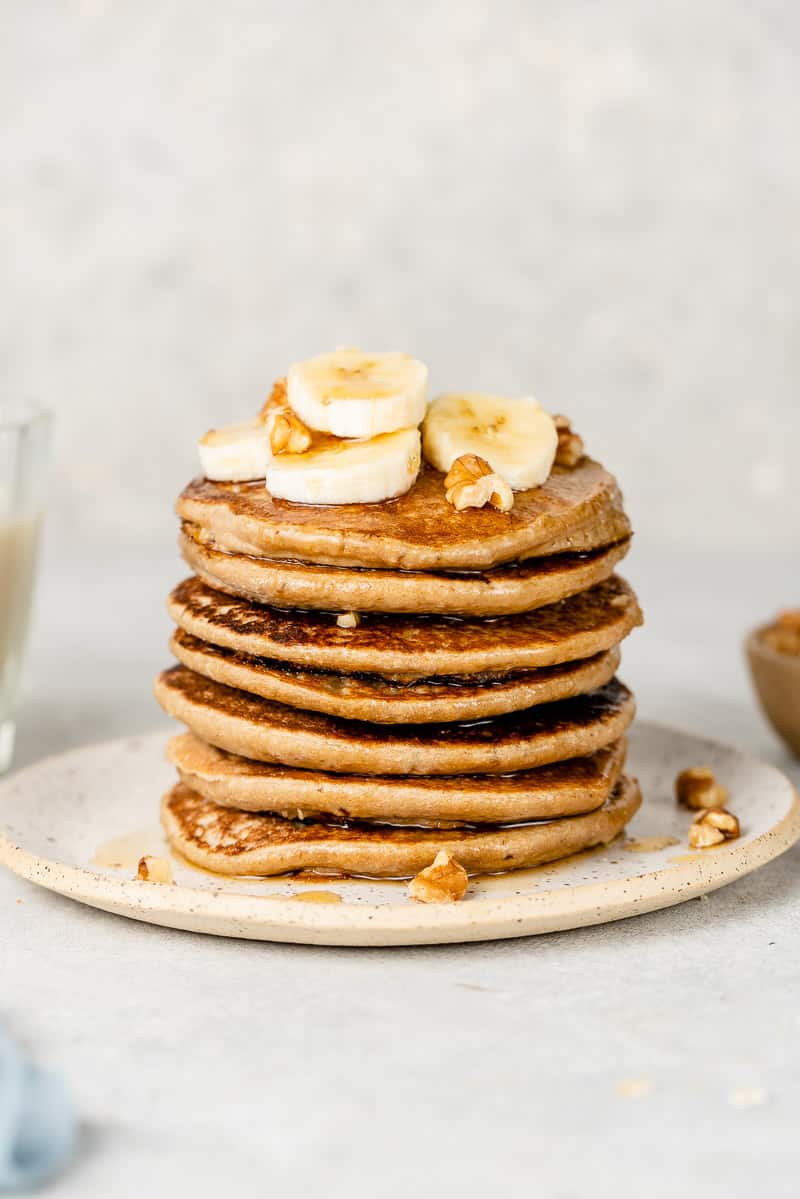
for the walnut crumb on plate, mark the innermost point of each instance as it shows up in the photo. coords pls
(696, 788)
(444, 881)
(713, 826)
(154, 870)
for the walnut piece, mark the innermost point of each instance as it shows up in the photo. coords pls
(784, 634)
(287, 433)
(713, 826)
(471, 483)
(348, 620)
(154, 870)
(570, 446)
(444, 881)
(696, 788)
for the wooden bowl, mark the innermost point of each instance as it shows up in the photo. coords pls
(776, 677)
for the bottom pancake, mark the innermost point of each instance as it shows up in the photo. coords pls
(544, 793)
(242, 843)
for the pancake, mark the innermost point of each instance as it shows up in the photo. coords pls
(561, 789)
(385, 701)
(243, 843)
(269, 732)
(505, 590)
(399, 646)
(576, 509)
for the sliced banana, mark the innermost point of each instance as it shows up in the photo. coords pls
(347, 472)
(237, 453)
(353, 394)
(516, 436)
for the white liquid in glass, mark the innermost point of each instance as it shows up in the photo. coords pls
(18, 546)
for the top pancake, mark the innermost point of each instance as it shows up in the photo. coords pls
(575, 510)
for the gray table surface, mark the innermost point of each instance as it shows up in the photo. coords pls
(204, 1066)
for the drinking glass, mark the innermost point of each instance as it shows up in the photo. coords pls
(24, 436)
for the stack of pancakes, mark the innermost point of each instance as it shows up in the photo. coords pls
(466, 702)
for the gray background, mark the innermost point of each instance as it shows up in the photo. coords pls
(596, 202)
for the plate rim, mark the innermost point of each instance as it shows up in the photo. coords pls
(486, 918)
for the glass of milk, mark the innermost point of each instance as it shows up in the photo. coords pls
(24, 434)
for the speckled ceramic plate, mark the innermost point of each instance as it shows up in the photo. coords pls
(79, 823)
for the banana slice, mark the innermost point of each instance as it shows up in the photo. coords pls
(347, 472)
(353, 394)
(516, 436)
(237, 453)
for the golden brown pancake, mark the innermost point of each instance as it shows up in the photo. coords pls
(411, 647)
(505, 590)
(244, 843)
(561, 789)
(576, 509)
(384, 701)
(270, 732)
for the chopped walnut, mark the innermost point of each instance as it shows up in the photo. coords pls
(712, 827)
(696, 788)
(444, 881)
(348, 620)
(570, 446)
(287, 433)
(154, 870)
(471, 483)
(784, 634)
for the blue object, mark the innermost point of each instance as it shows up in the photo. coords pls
(38, 1128)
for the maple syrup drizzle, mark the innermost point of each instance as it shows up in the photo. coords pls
(650, 844)
(123, 853)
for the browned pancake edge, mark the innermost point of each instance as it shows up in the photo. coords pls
(383, 701)
(575, 509)
(503, 591)
(411, 647)
(266, 731)
(241, 843)
(560, 789)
